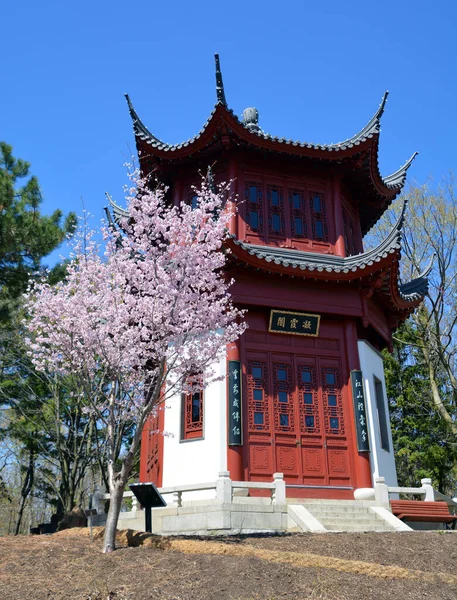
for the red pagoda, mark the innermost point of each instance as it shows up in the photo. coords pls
(305, 392)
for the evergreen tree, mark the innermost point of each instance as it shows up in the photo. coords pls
(423, 444)
(26, 237)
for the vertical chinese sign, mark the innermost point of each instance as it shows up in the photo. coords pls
(358, 396)
(234, 404)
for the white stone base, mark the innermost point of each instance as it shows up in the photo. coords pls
(211, 519)
(259, 515)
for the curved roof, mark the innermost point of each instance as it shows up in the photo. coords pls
(348, 267)
(376, 191)
(381, 261)
(367, 132)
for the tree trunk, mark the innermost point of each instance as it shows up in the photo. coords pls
(116, 493)
(25, 491)
(436, 393)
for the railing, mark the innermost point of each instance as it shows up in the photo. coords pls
(452, 504)
(224, 488)
(426, 492)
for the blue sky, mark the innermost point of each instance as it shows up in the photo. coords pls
(315, 71)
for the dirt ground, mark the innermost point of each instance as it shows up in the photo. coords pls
(67, 565)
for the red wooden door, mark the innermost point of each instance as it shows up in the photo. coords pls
(297, 418)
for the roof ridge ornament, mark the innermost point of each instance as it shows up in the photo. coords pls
(139, 127)
(219, 83)
(115, 213)
(398, 177)
(418, 288)
(373, 125)
(251, 119)
(382, 106)
(401, 218)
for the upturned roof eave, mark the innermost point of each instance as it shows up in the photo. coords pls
(350, 146)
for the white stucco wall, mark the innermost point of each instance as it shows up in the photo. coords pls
(200, 460)
(382, 462)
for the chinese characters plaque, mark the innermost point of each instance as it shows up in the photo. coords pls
(294, 323)
(234, 404)
(363, 444)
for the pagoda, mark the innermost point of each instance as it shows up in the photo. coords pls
(304, 393)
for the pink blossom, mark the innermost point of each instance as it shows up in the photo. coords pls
(135, 322)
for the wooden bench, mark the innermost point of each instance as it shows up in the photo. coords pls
(416, 510)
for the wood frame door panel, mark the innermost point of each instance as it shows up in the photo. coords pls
(305, 427)
(335, 421)
(259, 417)
(285, 421)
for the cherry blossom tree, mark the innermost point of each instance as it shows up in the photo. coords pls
(136, 323)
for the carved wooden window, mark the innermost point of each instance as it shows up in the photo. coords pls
(258, 414)
(275, 211)
(297, 214)
(282, 398)
(192, 415)
(153, 436)
(318, 217)
(309, 407)
(333, 401)
(254, 206)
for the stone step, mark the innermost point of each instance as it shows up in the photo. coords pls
(345, 517)
(338, 517)
(340, 510)
(362, 521)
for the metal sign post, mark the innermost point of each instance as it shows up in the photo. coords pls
(148, 496)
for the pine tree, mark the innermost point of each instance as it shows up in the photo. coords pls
(26, 237)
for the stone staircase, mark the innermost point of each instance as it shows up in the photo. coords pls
(344, 515)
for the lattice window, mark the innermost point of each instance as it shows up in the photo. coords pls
(307, 393)
(275, 211)
(254, 206)
(152, 444)
(258, 413)
(297, 214)
(283, 407)
(318, 216)
(333, 401)
(192, 414)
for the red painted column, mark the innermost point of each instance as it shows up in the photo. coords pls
(340, 248)
(362, 459)
(235, 464)
(232, 174)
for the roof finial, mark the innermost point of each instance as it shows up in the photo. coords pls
(251, 119)
(219, 83)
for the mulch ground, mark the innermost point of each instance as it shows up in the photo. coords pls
(67, 565)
